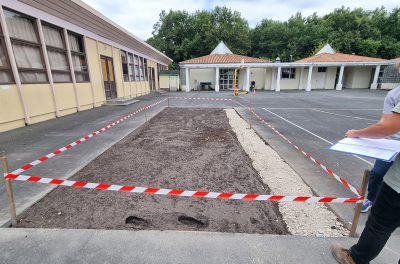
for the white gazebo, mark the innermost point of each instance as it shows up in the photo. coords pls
(327, 69)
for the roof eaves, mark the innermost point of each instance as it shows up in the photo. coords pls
(100, 15)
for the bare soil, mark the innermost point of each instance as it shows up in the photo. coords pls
(182, 148)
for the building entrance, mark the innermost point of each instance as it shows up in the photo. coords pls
(108, 77)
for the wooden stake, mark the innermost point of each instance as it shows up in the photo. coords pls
(251, 109)
(10, 194)
(357, 213)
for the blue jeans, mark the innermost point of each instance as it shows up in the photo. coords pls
(383, 220)
(376, 177)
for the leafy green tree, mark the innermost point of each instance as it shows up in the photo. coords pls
(374, 33)
(184, 36)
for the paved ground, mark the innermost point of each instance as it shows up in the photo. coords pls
(312, 120)
(26, 144)
(100, 246)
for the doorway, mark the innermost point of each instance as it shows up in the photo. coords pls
(320, 78)
(226, 77)
(107, 68)
(152, 79)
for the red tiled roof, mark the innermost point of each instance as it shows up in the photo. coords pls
(339, 57)
(223, 58)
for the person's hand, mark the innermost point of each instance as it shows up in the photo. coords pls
(352, 133)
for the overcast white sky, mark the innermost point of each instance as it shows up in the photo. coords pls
(139, 16)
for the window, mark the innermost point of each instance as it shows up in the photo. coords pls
(146, 74)
(124, 60)
(26, 46)
(137, 74)
(78, 57)
(131, 66)
(5, 70)
(288, 73)
(321, 69)
(57, 53)
(141, 69)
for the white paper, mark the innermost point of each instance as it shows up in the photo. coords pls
(384, 149)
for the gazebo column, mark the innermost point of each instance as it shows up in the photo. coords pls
(308, 88)
(272, 79)
(217, 79)
(247, 86)
(301, 78)
(374, 83)
(339, 85)
(187, 80)
(278, 80)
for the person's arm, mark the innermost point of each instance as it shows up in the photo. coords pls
(387, 126)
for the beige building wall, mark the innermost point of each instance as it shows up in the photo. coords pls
(96, 78)
(66, 99)
(11, 111)
(39, 99)
(257, 75)
(201, 75)
(267, 79)
(389, 86)
(358, 77)
(85, 95)
(330, 78)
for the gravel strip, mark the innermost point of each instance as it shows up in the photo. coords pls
(300, 218)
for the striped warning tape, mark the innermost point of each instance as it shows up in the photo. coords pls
(202, 98)
(182, 193)
(307, 155)
(77, 142)
(83, 139)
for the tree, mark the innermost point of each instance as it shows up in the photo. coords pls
(184, 36)
(374, 33)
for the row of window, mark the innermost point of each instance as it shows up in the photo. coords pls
(134, 67)
(290, 73)
(29, 56)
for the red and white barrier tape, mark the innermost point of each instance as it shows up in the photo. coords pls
(201, 98)
(83, 139)
(182, 193)
(77, 142)
(307, 155)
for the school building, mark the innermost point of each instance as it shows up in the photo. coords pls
(327, 69)
(60, 57)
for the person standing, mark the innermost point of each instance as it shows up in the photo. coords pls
(381, 167)
(385, 212)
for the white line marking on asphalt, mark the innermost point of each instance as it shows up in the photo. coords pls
(315, 135)
(355, 117)
(326, 109)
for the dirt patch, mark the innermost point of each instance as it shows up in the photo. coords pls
(192, 149)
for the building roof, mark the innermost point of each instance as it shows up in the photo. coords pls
(223, 59)
(326, 49)
(223, 55)
(82, 15)
(221, 49)
(328, 54)
(339, 57)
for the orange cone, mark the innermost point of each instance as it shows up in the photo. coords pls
(254, 91)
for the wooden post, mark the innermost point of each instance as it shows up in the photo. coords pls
(10, 194)
(168, 100)
(359, 206)
(145, 113)
(251, 109)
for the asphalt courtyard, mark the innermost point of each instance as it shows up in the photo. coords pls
(312, 120)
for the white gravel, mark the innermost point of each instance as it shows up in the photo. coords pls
(301, 218)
